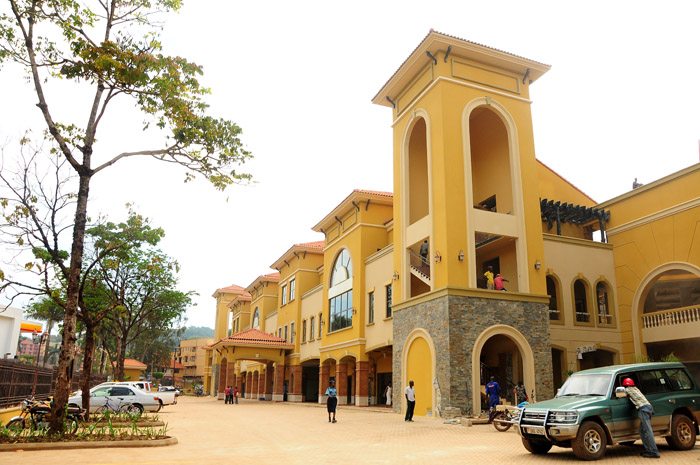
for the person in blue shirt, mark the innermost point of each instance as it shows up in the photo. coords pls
(332, 402)
(493, 390)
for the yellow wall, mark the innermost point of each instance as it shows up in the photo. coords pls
(419, 369)
(378, 274)
(132, 374)
(311, 306)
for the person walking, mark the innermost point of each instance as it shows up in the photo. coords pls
(424, 250)
(644, 411)
(410, 394)
(227, 394)
(235, 394)
(332, 402)
(493, 390)
(387, 393)
(520, 393)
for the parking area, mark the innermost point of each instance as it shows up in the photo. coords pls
(262, 433)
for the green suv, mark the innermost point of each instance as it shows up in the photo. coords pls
(589, 412)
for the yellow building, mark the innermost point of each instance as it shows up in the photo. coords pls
(482, 262)
(193, 356)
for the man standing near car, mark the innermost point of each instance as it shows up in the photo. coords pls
(644, 411)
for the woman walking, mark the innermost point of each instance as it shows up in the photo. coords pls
(332, 402)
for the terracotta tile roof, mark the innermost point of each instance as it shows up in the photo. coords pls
(231, 288)
(132, 364)
(272, 276)
(254, 337)
(382, 193)
(311, 245)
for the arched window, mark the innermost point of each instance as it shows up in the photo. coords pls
(553, 292)
(340, 293)
(256, 319)
(583, 315)
(418, 172)
(604, 298)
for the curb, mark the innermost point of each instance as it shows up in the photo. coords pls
(170, 441)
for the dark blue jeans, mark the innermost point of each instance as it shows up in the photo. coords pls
(645, 412)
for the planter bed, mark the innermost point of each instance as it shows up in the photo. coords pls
(125, 423)
(95, 443)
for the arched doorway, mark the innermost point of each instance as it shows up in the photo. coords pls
(419, 358)
(223, 370)
(597, 358)
(503, 352)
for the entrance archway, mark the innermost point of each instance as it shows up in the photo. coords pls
(223, 370)
(507, 346)
(419, 366)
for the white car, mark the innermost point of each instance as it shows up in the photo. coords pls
(165, 398)
(118, 395)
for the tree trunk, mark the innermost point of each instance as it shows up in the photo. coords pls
(119, 362)
(102, 360)
(67, 354)
(88, 352)
(49, 327)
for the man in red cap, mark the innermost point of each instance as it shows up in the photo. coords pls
(644, 412)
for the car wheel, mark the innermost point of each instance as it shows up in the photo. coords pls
(160, 405)
(682, 433)
(537, 447)
(590, 441)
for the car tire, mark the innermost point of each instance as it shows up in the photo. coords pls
(537, 447)
(682, 433)
(160, 406)
(590, 441)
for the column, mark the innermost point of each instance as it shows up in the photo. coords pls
(254, 393)
(323, 376)
(269, 380)
(341, 382)
(231, 374)
(249, 385)
(278, 389)
(294, 394)
(362, 384)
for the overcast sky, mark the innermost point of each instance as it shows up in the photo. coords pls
(621, 101)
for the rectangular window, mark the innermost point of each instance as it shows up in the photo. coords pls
(285, 333)
(320, 325)
(370, 307)
(652, 382)
(284, 294)
(303, 331)
(388, 301)
(291, 332)
(279, 333)
(340, 311)
(312, 328)
(680, 381)
(292, 289)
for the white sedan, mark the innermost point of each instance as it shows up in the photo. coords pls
(116, 396)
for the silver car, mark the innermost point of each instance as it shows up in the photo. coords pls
(115, 397)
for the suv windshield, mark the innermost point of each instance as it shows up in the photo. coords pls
(586, 385)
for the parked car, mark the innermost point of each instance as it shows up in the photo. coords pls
(169, 389)
(588, 414)
(165, 397)
(118, 395)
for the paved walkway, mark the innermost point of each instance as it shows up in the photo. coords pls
(262, 433)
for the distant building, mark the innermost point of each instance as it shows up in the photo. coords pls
(192, 357)
(10, 321)
(28, 347)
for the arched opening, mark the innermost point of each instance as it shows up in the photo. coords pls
(583, 313)
(670, 317)
(501, 359)
(554, 298)
(604, 300)
(256, 319)
(245, 387)
(310, 377)
(597, 358)
(558, 367)
(223, 370)
(345, 380)
(340, 293)
(418, 195)
(490, 161)
(419, 369)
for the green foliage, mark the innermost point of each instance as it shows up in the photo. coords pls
(158, 374)
(196, 332)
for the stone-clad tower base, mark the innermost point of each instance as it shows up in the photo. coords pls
(441, 341)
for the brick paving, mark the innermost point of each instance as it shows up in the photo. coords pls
(263, 433)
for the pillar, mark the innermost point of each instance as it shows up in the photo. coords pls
(256, 385)
(323, 376)
(278, 389)
(269, 380)
(294, 394)
(239, 382)
(249, 385)
(341, 382)
(231, 374)
(362, 384)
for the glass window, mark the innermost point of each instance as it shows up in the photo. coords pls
(100, 392)
(292, 289)
(279, 333)
(553, 293)
(679, 379)
(256, 318)
(652, 382)
(342, 269)
(388, 301)
(320, 325)
(340, 311)
(312, 328)
(581, 302)
(284, 294)
(303, 331)
(604, 313)
(371, 307)
(121, 391)
(291, 332)
(285, 333)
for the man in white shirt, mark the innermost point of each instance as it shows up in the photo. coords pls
(410, 394)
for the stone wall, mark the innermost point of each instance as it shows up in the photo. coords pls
(454, 323)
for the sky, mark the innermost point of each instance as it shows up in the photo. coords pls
(620, 102)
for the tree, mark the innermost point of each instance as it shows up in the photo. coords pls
(47, 310)
(111, 49)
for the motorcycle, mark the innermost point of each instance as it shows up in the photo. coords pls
(199, 390)
(37, 416)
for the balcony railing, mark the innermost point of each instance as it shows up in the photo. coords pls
(419, 265)
(674, 317)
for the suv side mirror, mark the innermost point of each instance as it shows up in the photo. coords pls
(620, 392)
